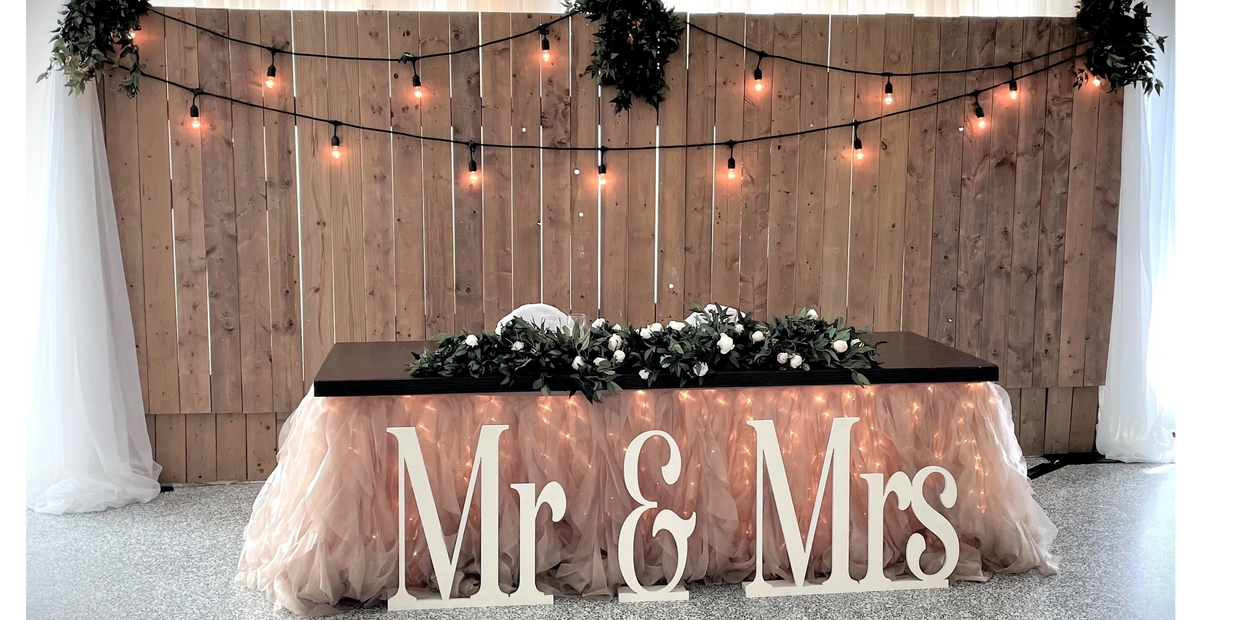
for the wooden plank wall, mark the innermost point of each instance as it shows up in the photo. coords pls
(249, 249)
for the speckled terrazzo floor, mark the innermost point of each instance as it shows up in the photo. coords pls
(175, 558)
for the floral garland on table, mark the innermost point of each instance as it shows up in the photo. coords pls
(587, 359)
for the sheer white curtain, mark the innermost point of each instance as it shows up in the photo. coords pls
(945, 8)
(1138, 402)
(86, 442)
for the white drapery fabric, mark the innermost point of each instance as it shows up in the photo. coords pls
(86, 442)
(939, 8)
(1138, 402)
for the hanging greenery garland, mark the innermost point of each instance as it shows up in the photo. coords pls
(92, 33)
(1123, 46)
(634, 41)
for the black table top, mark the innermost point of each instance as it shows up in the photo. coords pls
(378, 369)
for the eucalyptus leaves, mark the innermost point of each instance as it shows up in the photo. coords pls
(93, 33)
(635, 39)
(587, 359)
(1123, 48)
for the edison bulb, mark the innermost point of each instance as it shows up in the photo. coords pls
(194, 123)
(731, 173)
(757, 85)
(887, 99)
(981, 123)
(1097, 81)
(336, 152)
(417, 92)
(602, 179)
(271, 83)
(860, 154)
(546, 56)
(1012, 94)
(473, 178)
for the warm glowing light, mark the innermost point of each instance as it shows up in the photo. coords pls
(602, 179)
(133, 33)
(336, 152)
(887, 99)
(546, 56)
(271, 83)
(981, 123)
(731, 173)
(860, 154)
(1097, 81)
(194, 123)
(473, 178)
(757, 85)
(417, 92)
(1012, 94)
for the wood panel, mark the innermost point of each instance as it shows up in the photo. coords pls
(121, 139)
(200, 445)
(700, 165)
(248, 68)
(1028, 205)
(1058, 428)
(375, 159)
(467, 195)
(1005, 131)
(948, 182)
(811, 159)
(733, 75)
(919, 178)
(496, 169)
(1032, 430)
(841, 104)
(1055, 165)
(231, 456)
(170, 447)
(193, 348)
(155, 197)
(345, 181)
(438, 178)
(526, 173)
(1084, 419)
(557, 167)
(976, 169)
(785, 115)
(407, 196)
(283, 238)
(640, 179)
(863, 219)
(314, 192)
(670, 258)
(613, 218)
(755, 163)
(892, 176)
(1105, 231)
(1078, 233)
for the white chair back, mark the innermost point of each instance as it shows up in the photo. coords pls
(549, 317)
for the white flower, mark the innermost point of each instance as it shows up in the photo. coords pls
(782, 358)
(644, 374)
(725, 344)
(676, 325)
(599, 322)
(616, 328)
(645, 333)
(740, 329)
(855, 341)
(618, 357)
(711, 308)
(614, 342)
(656, 327)
(471, 341)
(813, 314)
(518, 345)
(732, 313)
(795, 362)
(757, 336)
(599, 360)
(578, 363)
(665, 361)
(700, 369)
(840, 346)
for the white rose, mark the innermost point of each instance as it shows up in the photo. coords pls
(598, 361)
(732, 313)
(855, 341)
(644, 374)
(757, 336)
(618, 357)
(665, 361)
(645, 333)
(840, 346)
(599, 322)
(656, 327)
(782, 358)
(700, 369)
(578, 363)
(740, 329)
(471, 340)
(616, 328)
(725, 344)
(518, 345)
(614, 342)
(711, 308)
(795, 362)
(813, 314)
(676, 325)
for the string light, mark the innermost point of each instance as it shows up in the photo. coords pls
(757, 72)
(602, 166)
(887, 90)
(336, 139)
(978, 111)
(860, 154)
(546, 45)
(731, 160)
(1097, 81)
(271, 70)
(1012, 82)
(417, 79)
(473, 165)
(193, 110)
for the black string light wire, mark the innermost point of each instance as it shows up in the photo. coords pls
(602, 150)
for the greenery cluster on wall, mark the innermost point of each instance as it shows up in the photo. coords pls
(92, 34)
(1123, 49)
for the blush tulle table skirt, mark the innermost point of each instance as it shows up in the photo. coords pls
(324, 528)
